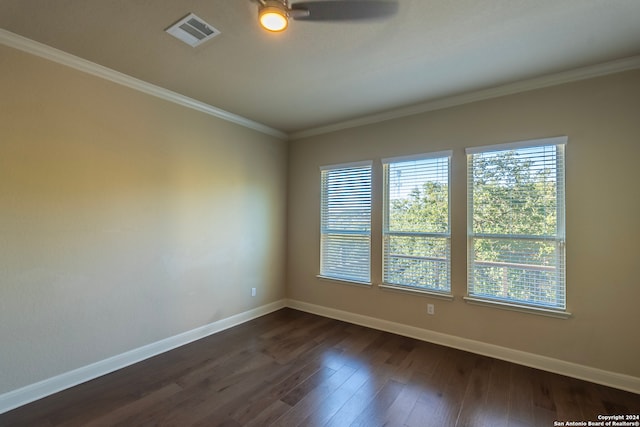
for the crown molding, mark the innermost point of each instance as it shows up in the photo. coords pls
(44, 51)
(612, 67)
(24, 44)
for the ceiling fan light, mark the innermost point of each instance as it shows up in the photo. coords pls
(273, 18)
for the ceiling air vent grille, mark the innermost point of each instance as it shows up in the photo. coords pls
(192, 30)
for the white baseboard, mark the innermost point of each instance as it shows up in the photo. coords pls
(32, 392)
(599, 376)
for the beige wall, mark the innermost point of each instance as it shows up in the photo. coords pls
(124, 219)
(601, 117)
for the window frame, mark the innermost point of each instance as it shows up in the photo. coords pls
(323, 271)
(559, 237)
(432, 291)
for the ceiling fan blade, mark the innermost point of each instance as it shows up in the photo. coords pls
(342, 10)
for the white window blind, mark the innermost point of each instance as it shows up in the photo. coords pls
(346, 222)
(416, 233)
(516, 227)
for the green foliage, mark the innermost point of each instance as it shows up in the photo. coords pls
(513, 194)
(419, 260)
(423, 210)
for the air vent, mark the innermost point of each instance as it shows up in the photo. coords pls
(192, 30)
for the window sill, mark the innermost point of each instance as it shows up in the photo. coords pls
(519, 308)
(422, 292)
(344, 281)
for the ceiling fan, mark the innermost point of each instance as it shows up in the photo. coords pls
(274, 15)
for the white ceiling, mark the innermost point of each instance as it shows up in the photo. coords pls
(316, 74)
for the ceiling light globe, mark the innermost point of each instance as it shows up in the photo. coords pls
(273, 19)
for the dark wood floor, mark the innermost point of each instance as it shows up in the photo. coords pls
(291, 368)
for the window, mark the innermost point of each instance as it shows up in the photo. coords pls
(416, 234)
(515, 223)
(345, 222)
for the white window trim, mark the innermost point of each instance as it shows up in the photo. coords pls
(347, 165)
(505, 304)
(357, 164)
(344, 281)
(424, 156)
(530, 143)
(419, 291)
(522, 308)
(408, 158)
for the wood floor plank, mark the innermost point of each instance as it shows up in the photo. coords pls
(326, 409)
(231, 393)
(566, 399)
(616, 401)
(441, 398)
(399, 410)
(313, 398)
(263, 400)
(356, 341)
(495, 411)
(423, 415)
(440, 402)
(520, 396)
(377, 376)
(541, 394)
(298, 393)
(269, 416)
(293, 368)
(476, 393)
(126, 411)
(375, 412)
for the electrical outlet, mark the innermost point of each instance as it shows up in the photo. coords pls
(431, 309)
(253, 292)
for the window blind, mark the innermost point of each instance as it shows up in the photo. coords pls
(346, 222)
(516, 223)
(416, 233)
